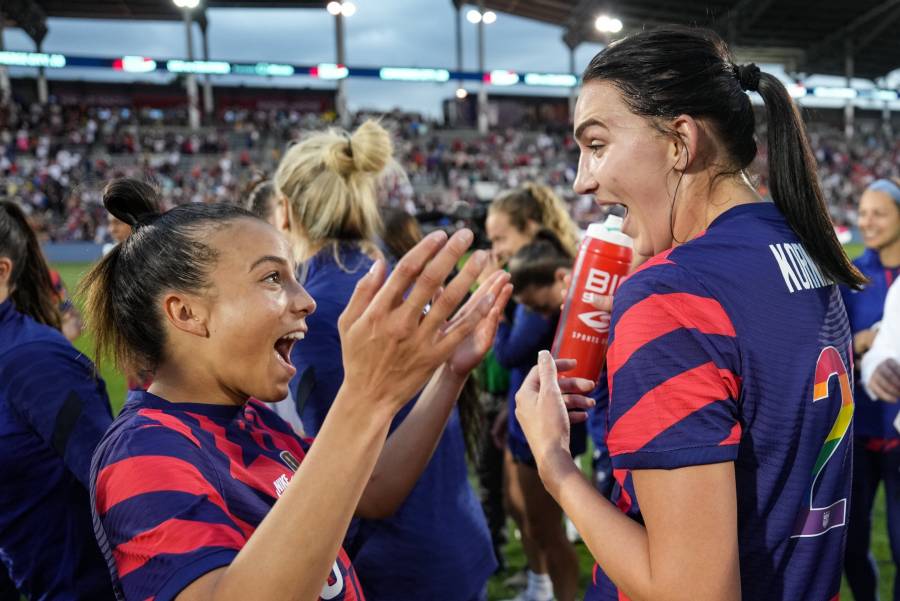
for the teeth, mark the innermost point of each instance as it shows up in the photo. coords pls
(294, 336)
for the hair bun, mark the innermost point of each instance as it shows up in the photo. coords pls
(132, 201)
(748, 76)
(370, 147)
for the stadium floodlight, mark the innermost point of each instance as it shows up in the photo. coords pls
(345, 9)
(489, 17)
(461, 93)
(473, 16)
(188, 4)
(607, 24)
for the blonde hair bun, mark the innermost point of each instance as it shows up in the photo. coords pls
(368, 150)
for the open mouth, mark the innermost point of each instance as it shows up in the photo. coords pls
(284, 345)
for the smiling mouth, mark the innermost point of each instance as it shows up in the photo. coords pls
(284, 345)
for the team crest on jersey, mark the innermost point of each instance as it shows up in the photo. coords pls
(289, 460)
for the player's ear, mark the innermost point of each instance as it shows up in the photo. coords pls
(186, 313)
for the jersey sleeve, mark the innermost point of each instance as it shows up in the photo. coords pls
(159, 514)
(55, 392)
(517, 343)
(673, 373)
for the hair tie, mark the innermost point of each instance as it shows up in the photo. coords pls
(748, 76)
(349, 144)
(141, 221)
(886, 186)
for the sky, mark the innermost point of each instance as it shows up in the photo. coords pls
(408, 33)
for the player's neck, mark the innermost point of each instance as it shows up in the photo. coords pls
(178, 385)
(701, 203)
(890, 255)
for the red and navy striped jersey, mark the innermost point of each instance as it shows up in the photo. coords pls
(734, 347)
(178, 488)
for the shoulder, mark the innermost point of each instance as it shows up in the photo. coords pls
(43, 358)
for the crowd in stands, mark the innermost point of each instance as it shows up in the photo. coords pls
(54, 160)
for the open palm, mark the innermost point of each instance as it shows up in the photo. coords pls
(496, 292)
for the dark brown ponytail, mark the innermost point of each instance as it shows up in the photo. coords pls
(30, 284)
(670, 71)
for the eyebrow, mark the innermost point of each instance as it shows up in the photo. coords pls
(270, 259)
(586, 124)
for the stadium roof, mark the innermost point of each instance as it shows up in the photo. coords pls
(810, 36)
(153, 9)
(31, 15)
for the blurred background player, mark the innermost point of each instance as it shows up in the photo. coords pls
(328, 186)
(513, 221)
(53, 411)
(876, 447)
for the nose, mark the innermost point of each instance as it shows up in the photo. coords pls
(584, 180)
(301, 302)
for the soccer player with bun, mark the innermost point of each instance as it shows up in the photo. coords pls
(199, 492)
(328, 185)
(53, 412)
(730, 367)
(514, 220)
(876, 440)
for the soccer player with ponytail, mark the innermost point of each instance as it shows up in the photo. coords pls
(202, 493)
(53, 412)
(730, 357)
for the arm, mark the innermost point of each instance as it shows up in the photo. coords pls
(389, 351)
(881, 365)
(60, 399)
(692, 514)
(409, 449)
(654, 385)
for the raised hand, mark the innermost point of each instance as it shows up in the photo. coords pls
(543, 403)
(389, 349)
(473, 348)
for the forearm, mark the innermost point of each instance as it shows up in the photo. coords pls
(293, 549)
(409, 449)
(618, 543)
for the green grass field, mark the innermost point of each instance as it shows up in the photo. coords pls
(115, 383)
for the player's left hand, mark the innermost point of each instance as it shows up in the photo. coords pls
(885, 382)
(474, 347)
(544, 402)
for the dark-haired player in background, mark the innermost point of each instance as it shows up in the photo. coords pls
(53, 411)
(730, 374)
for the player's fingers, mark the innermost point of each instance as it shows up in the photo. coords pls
(575, 385)
(435, 272)
(578, 402)
(409, 270)
(366, 289)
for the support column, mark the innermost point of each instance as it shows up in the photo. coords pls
(191, 81)
(5, 83)
(849, 107)
(573, 92)
(459, 43)
(482, 90)
(43, 95)
(208, 105)
(341, 98)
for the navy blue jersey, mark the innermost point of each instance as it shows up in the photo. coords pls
(733, 347)
(53, 412)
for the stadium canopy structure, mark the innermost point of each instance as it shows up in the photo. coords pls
(31, 16)
(834, 37)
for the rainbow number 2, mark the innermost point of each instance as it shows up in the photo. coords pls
(814, 521)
